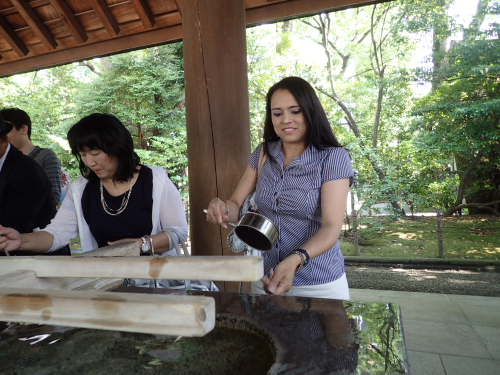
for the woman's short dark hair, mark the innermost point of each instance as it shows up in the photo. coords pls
(319, 131)
(104, 132)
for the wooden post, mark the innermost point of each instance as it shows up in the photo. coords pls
(440, 233)
(217, 112)
(355, 231)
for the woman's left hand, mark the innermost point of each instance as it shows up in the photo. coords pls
(281, 280)
(138, 240)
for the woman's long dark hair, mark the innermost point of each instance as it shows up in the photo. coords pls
(104, 132)
(319, 131)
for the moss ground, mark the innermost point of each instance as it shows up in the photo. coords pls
(465, 237)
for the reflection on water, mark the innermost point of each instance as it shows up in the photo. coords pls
(333, 336)
(253, 335)
(37, 339)
(378, 326)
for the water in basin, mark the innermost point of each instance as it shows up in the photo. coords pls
(233, 347)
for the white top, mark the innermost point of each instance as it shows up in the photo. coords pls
(168, 212)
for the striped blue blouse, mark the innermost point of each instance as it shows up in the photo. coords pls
(291, 198)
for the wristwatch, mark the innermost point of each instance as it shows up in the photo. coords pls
(145, 247)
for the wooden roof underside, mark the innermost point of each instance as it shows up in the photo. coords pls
(38, 34)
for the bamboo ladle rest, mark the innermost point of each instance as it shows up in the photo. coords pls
(156, 314)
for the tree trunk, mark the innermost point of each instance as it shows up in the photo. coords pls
(440, 35)
(472, 31)
(483, 206)
(380, 98)
(323, 28)
(463, 181)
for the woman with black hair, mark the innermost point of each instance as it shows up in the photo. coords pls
(302, 188)
(116, 199)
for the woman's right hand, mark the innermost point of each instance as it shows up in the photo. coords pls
(281, 279)
(217, 212)
(10, 239)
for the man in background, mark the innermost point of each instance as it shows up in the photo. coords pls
(20, 137)
(26, 200)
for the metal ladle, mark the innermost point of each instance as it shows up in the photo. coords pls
(256, 230)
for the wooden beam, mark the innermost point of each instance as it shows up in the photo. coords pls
(131, 312)
(34, 4)
(28, 280)
(147, 38)
(69, 19)
(286, 10)
(178, 3)
(11, 37)
(221, 268)
(144, 13)
(35, 23)
(104, 14)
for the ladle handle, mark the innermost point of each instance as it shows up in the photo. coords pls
(232, 224)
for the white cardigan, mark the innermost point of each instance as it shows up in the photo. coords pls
(168, 212)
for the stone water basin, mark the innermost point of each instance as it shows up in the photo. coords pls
(254, 334)
(233, 347)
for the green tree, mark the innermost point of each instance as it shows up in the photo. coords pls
(367, 83)
(145, 90)
(48, 97)
(272, 55)
(459, 121)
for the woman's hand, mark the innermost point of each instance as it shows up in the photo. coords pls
(10, 239)
(280, 281)
(217, 212)
(138, 240)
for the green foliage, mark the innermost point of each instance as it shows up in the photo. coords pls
(145, 90)
(369, 82)
(461, 118)
(48, 97)
(426, 16)
(142, 88)
(465, 237)
(272, 55)
(170, 153)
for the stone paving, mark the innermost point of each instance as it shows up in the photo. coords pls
(446, 334)
(446, 281)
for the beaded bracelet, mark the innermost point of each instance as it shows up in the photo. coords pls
(305, 253)
(304, 258)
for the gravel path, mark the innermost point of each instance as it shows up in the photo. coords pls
(424, 280)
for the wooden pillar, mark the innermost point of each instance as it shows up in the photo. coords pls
(217, 112)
